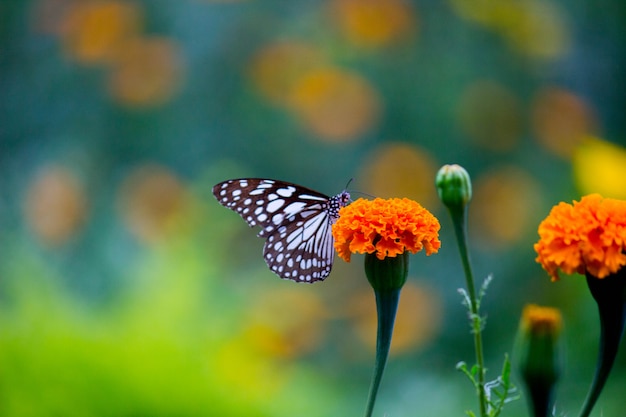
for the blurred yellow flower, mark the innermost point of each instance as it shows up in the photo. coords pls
(537, 29)
(385, 227)
(588, 236)
(335, 104)
(374, 23)
(146, 72)
(600, 167)
(56, 205)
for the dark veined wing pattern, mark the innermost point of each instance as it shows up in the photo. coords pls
(296, 223)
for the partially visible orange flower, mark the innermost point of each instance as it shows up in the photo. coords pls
(385, 227)
(588, 236)
(540, 320)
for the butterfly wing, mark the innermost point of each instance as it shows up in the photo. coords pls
(301, 249)
(296, 222)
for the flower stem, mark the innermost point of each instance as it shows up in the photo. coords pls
(459, 221)
(610, 295)
(386, 306)
(541, 399)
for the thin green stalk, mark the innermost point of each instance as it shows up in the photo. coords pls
(458, 219)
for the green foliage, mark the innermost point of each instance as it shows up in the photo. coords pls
(169, 345)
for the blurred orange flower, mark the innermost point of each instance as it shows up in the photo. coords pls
(56, 205)
(386, 228)
(390, 168)
(500, 194)
(561, 120)
(374, 23)
(588, 236)
(148, 71)
(276, 68)
(93, 31)
(335, 104)
(153, 202)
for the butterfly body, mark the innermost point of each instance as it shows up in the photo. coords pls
(296, 223)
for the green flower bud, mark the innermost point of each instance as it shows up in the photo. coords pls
(539, 355)
(454, 186)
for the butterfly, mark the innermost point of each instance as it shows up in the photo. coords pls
(296, 222)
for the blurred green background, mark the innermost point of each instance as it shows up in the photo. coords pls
(126, 290)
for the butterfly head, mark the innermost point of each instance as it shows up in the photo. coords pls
(336, 202)
(344, 199)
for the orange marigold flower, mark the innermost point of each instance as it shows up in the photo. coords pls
(588, 236)
(385, 227)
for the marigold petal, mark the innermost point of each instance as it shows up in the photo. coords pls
(586, 236)
(385, 227)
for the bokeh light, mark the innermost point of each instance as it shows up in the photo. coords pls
(153, 203)
(600, 167)
(55, 206)
(374, 23)
(282, 335)
(561, 120)
(335, 104)
(537, 29)
(398, 169)
(242, 369)
(504, 206)
(93, 31)
(49, 16)
(146, 72)
(418, 318)
(276, 67)
(489, 114)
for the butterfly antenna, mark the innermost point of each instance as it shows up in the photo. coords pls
(356, 192)
(363, 194)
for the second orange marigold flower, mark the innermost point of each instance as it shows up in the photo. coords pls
(386, 228)
(587, 236)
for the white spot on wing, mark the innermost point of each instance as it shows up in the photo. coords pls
(275, 205)
(286, 192)
(312, 197)
(294, 207)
